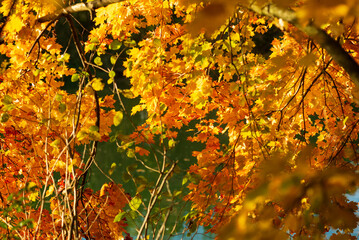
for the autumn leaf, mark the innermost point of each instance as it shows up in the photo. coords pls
(97, 84)
(117, 118)
(242, 119)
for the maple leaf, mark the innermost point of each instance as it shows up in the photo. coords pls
(266, 141)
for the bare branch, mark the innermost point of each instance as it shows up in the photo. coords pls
(154, 196)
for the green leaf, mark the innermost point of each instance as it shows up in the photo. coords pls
(5, 117)
(171, 143)
(184, 180)
(10, 197)
(75, 77)
(93, 128)
(58, 97)
(130, 153)
(198, 58)
(127, 93)
(3, 225)
(6, 100)
(94, 40)
(129, 65)
(92, 47)
(119, 217)
(130, 43)
(126, 177)
(62, 107)
(112, 74)
(117, 118)
(65, 57)
(141, 179)
(55, 143)
(219, 168)
(157, 42)
(133, 214)
(95, 136)
(192, 226)
(81, 135)
(131, 167)
(8, 107)
(112, 168)
(98, 61)
(115, 45)
(86, 74)
(135, 203)
(113, 59)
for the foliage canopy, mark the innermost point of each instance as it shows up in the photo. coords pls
(273, 133)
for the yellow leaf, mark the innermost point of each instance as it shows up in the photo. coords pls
(81, 135)
(110, 80)
(171, 143)
(97, 84)
(103, 189)
(271, 144)
(30, 186)
(55, 143)
(95, 136)
(33, 196)
(6, 7)
(117, 118)
(137, 108)
(127, 93)
(50, 191)
(15, 24)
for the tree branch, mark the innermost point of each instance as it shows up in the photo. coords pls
(319, 35)
(79, 7)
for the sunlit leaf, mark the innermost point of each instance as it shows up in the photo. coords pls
(97, 84)
(135, 203)
(119, 217)
(117, 119)
(115, 45)
(58, 97)
(98, 61)
(75, 77)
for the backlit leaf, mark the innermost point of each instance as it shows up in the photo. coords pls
(117, 119)
(135, 203)
(119, 217)
(115, 45)
(97, 84)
